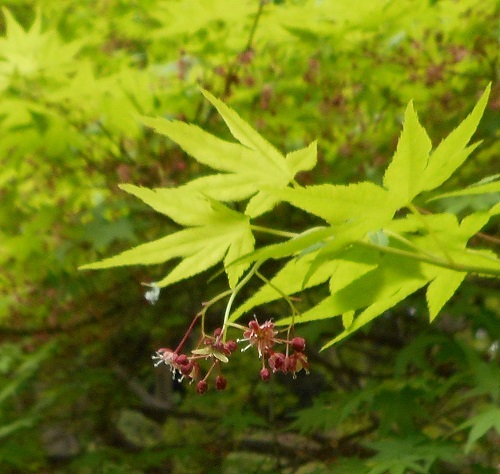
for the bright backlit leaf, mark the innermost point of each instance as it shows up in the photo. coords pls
(216, 231)
(452, 151)
(403, 175)
(248, 167)
(488, 185)
(250, 138)
(441, 289)
(337, 205)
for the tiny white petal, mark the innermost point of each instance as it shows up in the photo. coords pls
(152, 295)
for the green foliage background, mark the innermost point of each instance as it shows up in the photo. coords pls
(77, 390)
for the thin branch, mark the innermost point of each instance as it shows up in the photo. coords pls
(234, 67)
(488, 238)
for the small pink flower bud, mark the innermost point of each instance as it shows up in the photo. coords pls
(217, 332)
(202, 387)
(265, 375)
(231, 346)
(277, 361)
(220, 382)
(182, 359)
(298, 344)
(186, 369)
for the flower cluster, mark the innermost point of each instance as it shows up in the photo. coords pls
(215, 350)
(211, 348)
(263, 337)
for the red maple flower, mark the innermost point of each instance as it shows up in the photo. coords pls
(260, 335)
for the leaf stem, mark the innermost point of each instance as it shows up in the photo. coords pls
(208, 304)
(268, 230)
(288, 300)
(433, 261)
(432, 234)
(282, 294)
(409, 243)
(234, 292)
